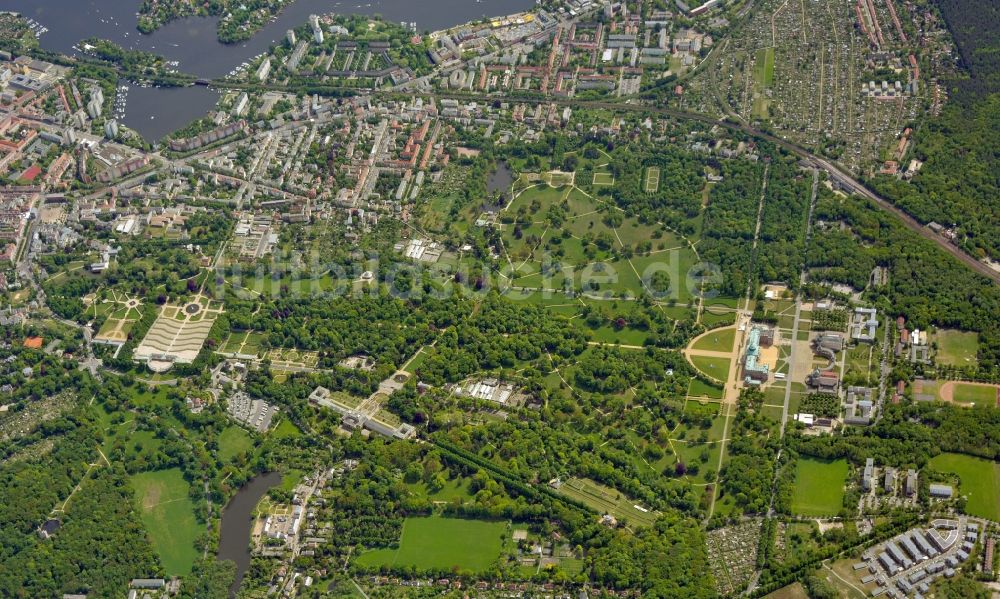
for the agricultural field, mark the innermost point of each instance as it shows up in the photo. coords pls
(819, 487)
(169, 517)
(956, 348)
(607, 501)
(442, 543)
(980, 482)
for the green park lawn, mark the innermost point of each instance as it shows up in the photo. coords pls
(721, 340)
(980, 482)
(232, 442)
(717, 368)
(438, 543)
(702, 389)
(169, 517)
(819, 487)
(286, 429)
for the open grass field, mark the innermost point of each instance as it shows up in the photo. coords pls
(764, 69)
(819, 487)
(717, 368)
(455, 489)
(956, 348)
(980, 482)
(442, 543)
(607, 500)
(701, 389)
(286, 429)
(232, 442)
(578, 248)
(792, 591)
(168, 515)
(716, 340)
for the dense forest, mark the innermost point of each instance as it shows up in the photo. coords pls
(958, 184)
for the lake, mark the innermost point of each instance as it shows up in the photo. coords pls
(234, 538)
(192, 42)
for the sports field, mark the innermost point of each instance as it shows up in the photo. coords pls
(652, 179)
(819, 487)
(981, 395)
(437, 543)
(980, 482)
(717, 340)
(168, 515)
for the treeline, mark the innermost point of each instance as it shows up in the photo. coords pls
(780, 251)
(908, 436)
(957, 185)
(381, 326)
(677, 200)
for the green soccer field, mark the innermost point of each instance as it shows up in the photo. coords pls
(437, 543)
(981, 395)
(819, 487)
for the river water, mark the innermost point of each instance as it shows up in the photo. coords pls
(234, 539)
(192, 42)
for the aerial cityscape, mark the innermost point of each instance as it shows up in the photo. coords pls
(499, 298)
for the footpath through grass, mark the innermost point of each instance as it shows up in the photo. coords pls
(438, 543)
(819, 487)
